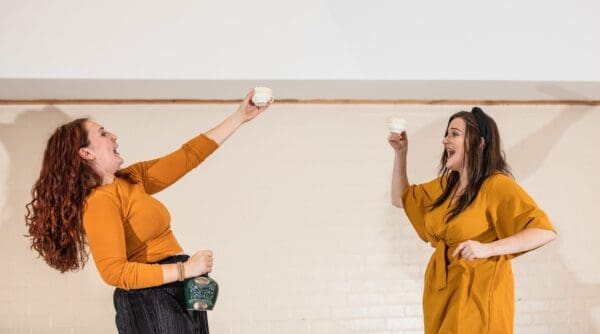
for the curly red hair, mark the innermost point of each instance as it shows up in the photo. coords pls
(54, 216)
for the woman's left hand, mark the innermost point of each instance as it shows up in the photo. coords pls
(248, 110)
(471, 250)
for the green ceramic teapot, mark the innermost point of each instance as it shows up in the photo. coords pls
(200, 293)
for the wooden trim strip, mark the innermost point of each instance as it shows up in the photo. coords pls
(306, 101)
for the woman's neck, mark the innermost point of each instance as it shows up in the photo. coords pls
(108, 179)
(463, 182)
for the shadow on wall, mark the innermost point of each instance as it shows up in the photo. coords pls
(527, 156)
(552, 278)
(25, 142)
(25, 139)
(571, 297)
(553, 284)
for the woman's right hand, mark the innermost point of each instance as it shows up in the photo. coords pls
(398, 141)
(199, 264)
(245, 112)
(248, 110)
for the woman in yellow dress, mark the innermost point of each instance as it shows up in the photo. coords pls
(477, 218)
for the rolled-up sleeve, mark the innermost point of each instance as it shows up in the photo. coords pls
(416, 200)
(512, 210)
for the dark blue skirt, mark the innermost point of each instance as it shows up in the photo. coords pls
(158, 310)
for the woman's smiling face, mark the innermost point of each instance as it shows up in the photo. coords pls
(454, 144)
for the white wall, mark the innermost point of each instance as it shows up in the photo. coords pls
(313, 245)
(296, 207)
(415, 44)
(312, 39)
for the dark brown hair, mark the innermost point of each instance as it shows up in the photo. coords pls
(54, 215)
(482, 160)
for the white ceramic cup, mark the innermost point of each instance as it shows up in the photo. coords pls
(396, 124)
(262, 96)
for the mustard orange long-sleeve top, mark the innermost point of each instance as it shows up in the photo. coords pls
(127, 229)
(462, 296)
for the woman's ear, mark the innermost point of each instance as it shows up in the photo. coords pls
(482, 143)
(86, 154)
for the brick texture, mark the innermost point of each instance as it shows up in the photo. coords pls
(296, 208)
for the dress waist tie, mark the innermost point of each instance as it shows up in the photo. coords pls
(441, 265)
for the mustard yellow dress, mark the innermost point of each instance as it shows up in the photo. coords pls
(462, 296)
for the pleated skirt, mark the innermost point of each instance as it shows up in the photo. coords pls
(157, 310)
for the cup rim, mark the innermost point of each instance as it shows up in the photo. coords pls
(261, 88)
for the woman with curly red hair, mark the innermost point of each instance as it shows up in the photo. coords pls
(82, 198)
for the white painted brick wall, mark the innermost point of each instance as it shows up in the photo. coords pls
(296, 208)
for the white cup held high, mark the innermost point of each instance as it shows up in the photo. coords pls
(262, 96)
(396, 124)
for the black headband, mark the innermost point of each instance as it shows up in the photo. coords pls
(480, 116)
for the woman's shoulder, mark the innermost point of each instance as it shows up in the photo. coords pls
(115, 191)
(132, 173)
(500, 184)
(430, 184)
(499, 178)
(435, 186)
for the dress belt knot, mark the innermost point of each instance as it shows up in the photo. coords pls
(439, 259)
